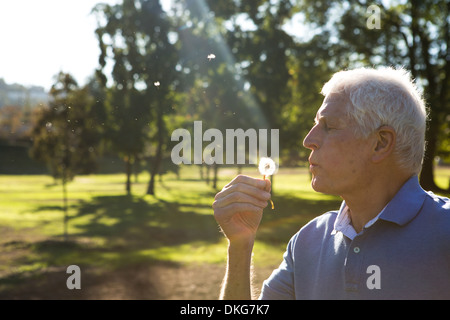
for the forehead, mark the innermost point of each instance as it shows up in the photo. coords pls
(334, 106)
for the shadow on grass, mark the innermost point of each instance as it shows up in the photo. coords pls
(133, 222)
(111, 238)
(110, 235)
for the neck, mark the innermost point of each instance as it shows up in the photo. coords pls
(366, 203)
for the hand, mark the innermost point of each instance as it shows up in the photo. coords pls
(238, 207)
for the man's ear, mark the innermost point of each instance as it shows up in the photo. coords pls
(385, 142)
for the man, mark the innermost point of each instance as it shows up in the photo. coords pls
(389, 240)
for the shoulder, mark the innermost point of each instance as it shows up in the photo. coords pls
(316, 229)
(437, 208)
(439, 202)
(322, 221)
(436, 211)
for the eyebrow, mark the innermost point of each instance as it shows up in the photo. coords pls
(330, 120)
(325, 117)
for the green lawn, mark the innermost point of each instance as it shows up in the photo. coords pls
(110, 230)
(177, 224)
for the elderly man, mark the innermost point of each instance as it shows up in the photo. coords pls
(390, 239)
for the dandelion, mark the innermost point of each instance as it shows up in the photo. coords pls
(211, 56)
(267, 167)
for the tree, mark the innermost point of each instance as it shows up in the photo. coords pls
(310, 68)
(10, 122)
(245, 82)
(66, 135)
(137, 36)
(160, 75)
(415, 34)
(127, 118)
(211, 76)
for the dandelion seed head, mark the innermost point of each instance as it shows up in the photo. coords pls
(267, 166)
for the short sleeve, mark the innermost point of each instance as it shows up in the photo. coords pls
(280, 284)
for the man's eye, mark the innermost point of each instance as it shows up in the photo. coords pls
(323, 124)
(327, 127)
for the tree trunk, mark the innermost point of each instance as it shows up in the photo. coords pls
(216, 173)
(155, 168)
(128, 168)
(159, 151)
(208, 169)
(427, 173)
(66, 217)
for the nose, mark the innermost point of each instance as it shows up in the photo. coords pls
(311, 140)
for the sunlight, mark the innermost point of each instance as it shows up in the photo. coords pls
(41, 38)
(232, 65)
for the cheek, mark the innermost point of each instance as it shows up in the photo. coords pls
(342, 159)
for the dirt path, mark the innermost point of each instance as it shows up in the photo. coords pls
(150, 280)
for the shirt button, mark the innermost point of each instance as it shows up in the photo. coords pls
(356, 250)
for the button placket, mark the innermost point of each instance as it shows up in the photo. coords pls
(353, 266)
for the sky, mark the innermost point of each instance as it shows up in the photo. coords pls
(40, 38)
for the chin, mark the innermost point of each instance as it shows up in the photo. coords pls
(321, 186)
(316, 185)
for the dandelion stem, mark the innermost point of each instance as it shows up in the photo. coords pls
(271, 202)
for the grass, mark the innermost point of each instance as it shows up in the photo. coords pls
(109, 230)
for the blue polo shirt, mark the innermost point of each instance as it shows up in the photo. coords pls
(403, 254)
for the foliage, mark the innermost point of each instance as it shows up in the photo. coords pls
(261, 76)
(240, 64)
(413, 34)
(67, 135)
(136, 36)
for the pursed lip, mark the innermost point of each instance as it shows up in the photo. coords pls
(312, 164)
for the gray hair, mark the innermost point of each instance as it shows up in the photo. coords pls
(385, 96)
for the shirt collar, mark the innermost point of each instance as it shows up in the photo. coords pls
(343, 223)
(405, 205)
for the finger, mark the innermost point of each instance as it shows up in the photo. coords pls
(239, 197)
(223, 214)
(246, 189)
(257, 183)
(242, 183)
